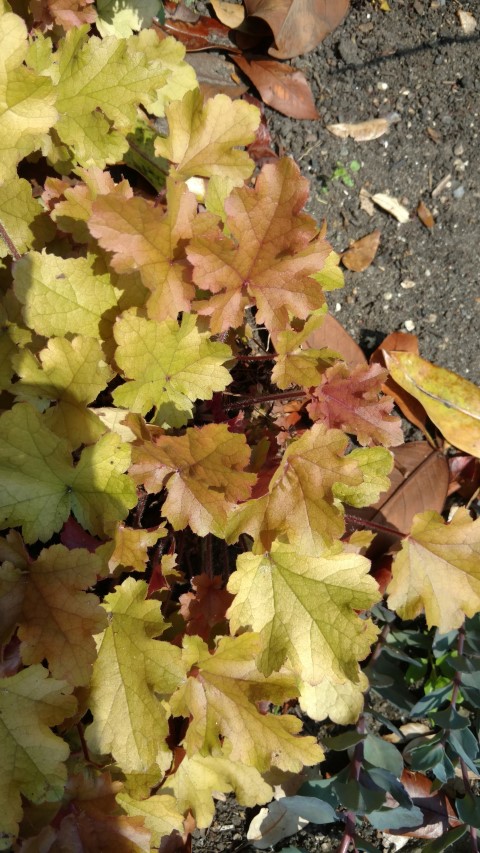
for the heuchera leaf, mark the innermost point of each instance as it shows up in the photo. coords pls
(62, 295)
(304, 608)
(204, 140)
(18, 211)
(32, 755)
(269, 258)
(296, 362)
(72, 373)
(206, 607)
(168, 366)
(199, 777)
(27, 99)
(203, 472)
(57, 617)
(438, 570)
(301, 499)
(145, 238)
(160, 814)
(63, 13)
(38, 496)
(220, 701)
(351, 400)
(131, 547)
(123, 19)
(99, 87)
(130, 676)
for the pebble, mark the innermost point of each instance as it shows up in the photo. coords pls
(409, 325)
(407, 284)
(458, 149)
(459, 192)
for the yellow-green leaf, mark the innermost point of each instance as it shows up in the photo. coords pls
(160, 814)
(18, 210)
(62, 295)
(72, 373)
(204, 139)
(27, 100)
(438, 570)
(39, 484)
(131, 675)
(220, 702)
(304, 608)
(32, 755)
(168, 366)
(196, 781)
(451, 402)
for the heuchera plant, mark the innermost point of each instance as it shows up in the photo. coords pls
(176, 458)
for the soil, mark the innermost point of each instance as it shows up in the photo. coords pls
(416, 61)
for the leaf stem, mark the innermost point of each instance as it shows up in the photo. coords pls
(267, 398)
(382, 528)
(9, 243)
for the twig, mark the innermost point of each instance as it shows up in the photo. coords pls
(9, 243)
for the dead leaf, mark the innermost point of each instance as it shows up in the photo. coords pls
(411, 408)
(418, 482)
(202, 33)
(331, 334)
(438, 812)
(467, 22)
(451, 402)
(215, 75)
(362, 252)
(425, 216)
(364, 131)
(392, 206)
(230, 14)
(366, 203)
(282, 87)
(298, 26)
(260, 150)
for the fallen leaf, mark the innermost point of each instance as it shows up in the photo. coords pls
(438, 812)
(392, 206)
(364, 131)
(362, 252)
(298, 26)
(425, 215)
(366, 203)
(260, 150)
(201, 33)
(467, 22)
(418, 482)
(282, 87)
(451, 402)
(230, 14)
(332, 335)
(215, 75)
(411, 408)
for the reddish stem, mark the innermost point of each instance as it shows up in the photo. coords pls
(9, 243)
(268, 398)
(382, 528)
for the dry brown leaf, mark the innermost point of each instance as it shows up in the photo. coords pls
(362, 252)
(425, 215)
(298, 26)
(366, 203)
(418, 482)
(282, 87)
(392, 206)
(411, 408)
(230, 14)
(467, 22)
(215, 75)
(364, 131)
(331, 334)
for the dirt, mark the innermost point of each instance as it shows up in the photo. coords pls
(415, 61)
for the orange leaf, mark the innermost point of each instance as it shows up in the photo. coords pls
(269, 258)
(298, 26)
(282, 87)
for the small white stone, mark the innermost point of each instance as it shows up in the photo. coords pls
(338, 307)
(407, 284)
(388, 296)
(409, 325)
(382, 86)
